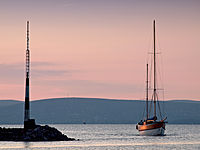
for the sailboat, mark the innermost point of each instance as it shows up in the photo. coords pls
(151, 125)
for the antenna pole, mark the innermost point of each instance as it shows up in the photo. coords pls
(154, 91)
(27, 105)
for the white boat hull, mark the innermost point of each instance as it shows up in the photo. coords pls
(153, 132)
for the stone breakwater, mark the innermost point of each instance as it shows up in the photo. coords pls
(39, 133)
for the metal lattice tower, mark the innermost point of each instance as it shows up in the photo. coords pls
(27, 105)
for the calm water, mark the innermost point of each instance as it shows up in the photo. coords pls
(112, 137)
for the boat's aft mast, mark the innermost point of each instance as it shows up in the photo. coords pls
(147, 94)
(154, 53)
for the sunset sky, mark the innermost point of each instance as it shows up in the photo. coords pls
(99, 48)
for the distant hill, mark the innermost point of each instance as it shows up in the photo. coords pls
(94, 110)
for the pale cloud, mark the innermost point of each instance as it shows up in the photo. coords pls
(16, 72)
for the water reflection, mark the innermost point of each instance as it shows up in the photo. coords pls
(27, 145)
(115, 137)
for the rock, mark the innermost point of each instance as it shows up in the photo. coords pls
(39, 133)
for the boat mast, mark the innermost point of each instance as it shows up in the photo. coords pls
(154, 54)
(147, 94)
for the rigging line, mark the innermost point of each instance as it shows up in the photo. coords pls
(143, 113)
(160, 59)
(161, 76)
(164, 103)
(150, 45)
(160, 71)
(159, 107)
(150, 107)
(162, 82)
(158, 40)
(151, 68)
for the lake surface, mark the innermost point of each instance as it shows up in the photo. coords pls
(114, 137)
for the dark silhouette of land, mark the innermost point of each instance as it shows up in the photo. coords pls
(95, 111)
(38, 133)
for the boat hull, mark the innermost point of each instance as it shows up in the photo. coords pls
(153, 132)
(152, 129)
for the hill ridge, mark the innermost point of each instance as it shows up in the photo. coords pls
(95, 110)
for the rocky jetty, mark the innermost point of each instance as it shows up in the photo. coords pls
(39, 133)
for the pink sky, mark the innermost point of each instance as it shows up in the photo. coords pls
(98, 48)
